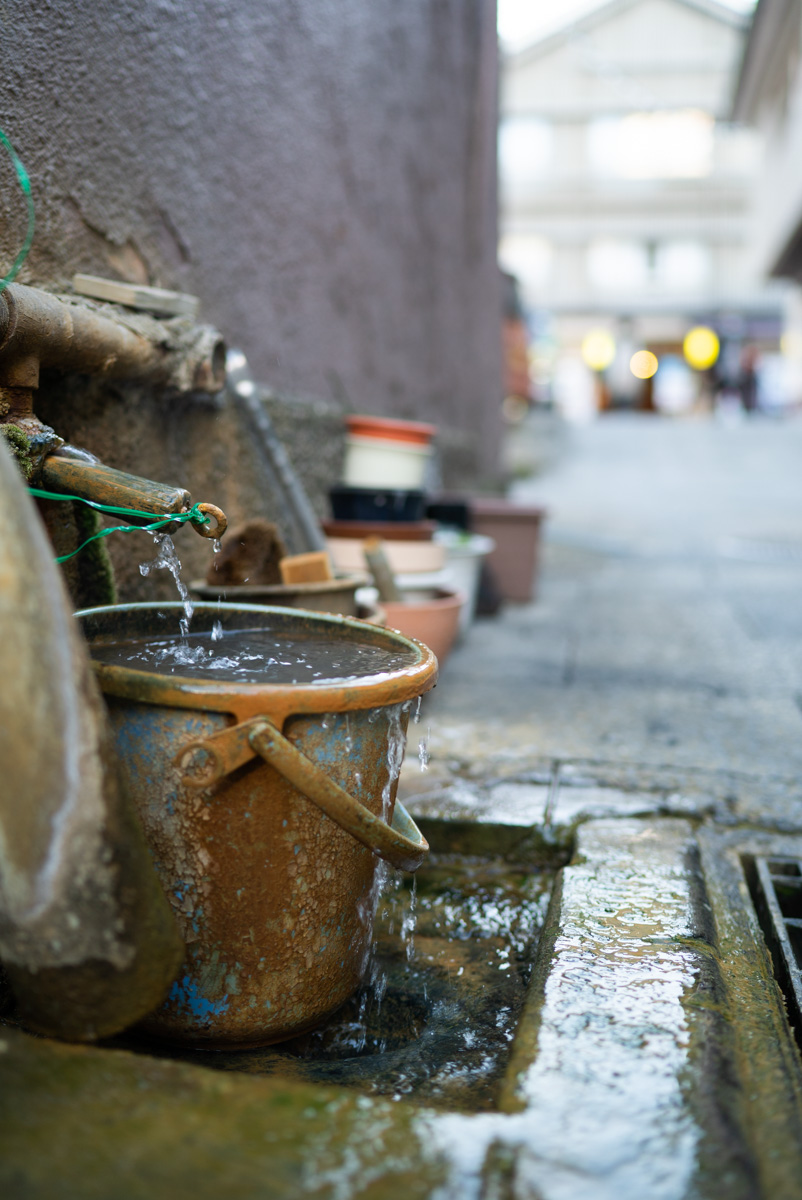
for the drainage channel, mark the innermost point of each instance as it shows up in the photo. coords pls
(454, 951)
(775, 884)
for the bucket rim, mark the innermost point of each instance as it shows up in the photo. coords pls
(278, 700)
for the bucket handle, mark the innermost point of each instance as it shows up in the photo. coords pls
(401, 844)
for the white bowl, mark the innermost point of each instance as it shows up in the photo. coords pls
(347, 555)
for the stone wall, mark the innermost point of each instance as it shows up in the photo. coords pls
(321, 174)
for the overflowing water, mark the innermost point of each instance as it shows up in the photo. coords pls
(396, 745)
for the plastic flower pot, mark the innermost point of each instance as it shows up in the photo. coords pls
(515, 529)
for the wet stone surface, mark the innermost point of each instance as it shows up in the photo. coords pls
(454, 951)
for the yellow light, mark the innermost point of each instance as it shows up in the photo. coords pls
(598, 349)
(701, 347)
(791, 344)
(643, 364)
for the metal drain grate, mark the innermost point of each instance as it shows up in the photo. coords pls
(776, 887)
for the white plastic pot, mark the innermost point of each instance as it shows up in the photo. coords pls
(383, 463)
(464, 554)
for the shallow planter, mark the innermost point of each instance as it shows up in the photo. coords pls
(396, 531)
(433, 620)
(515, 529)
(404, 556)
(327, 595)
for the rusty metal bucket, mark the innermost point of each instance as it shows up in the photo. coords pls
(262, 805)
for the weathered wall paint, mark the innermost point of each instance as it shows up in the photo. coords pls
(321, 173)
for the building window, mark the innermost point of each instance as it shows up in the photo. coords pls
(617, 265)
(525, 149)
(682, 265)
(530, 259)
(652, 145)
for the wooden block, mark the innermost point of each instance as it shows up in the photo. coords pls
(380, 569)
(313, 567)
(135, 295)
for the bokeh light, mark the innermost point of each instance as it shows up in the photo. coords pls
(598, 349)
(700, 347)
(643, 364)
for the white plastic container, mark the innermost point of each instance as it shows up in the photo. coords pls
(381, 463)
(464, 553)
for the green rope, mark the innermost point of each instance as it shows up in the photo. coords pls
(194, 515)
(25, 184)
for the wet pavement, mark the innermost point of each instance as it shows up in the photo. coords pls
(666, 643)
(609, 768)
(646, 714)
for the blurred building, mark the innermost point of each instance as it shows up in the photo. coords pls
(769, 98)
(515, 336)
(626, 185)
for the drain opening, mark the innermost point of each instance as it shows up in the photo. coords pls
(776, 888)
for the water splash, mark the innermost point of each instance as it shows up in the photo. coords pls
(409, 921)
(423, 750)
(416, 714)
(167, 559)
(396, 745)
(217, 631)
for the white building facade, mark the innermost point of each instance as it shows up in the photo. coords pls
(625, 185)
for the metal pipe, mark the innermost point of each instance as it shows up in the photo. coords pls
(38, 330)
(301, 526)
(104, 485)
(73, 476)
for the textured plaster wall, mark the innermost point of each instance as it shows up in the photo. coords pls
(320, 172)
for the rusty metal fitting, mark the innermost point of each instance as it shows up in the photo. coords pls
(221, 521)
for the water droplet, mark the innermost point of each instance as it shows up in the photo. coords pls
(409, 921)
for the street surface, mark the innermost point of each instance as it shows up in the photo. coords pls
(667, 631)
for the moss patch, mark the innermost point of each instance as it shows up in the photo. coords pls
(20, 446)
(95, 583)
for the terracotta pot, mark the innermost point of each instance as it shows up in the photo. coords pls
(433, 621)
(262, 804)
(390, 429)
